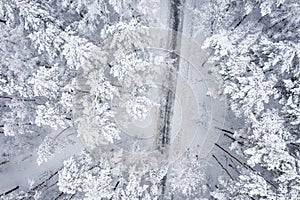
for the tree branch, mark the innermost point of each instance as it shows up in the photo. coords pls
(50, 177)
(116, 185)
(5, 97)
(83, 91)
(294, 144)
(244, 17)
(52, 185)
(245, 165)
(9, 191)
(224, 130)
(227, 172)
(4, 162)
(227, 131)
(59, 196)
(3, 21)
(71, 197)
(239, 142)
(61, 132)
(232, 156)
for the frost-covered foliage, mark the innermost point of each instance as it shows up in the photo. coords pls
(139, 108)
(235, 189)
(187, 177)
(19, 117)
(116, 80)
(54, 144)
(76, 63)
(108, 178)
(82, 174)
(48, 147)
(47, 44)
(258, 60)
(219, 15)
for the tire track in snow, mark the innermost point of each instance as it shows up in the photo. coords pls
(167, 104)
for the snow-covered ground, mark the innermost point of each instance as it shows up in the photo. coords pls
(23, 171)
(118, 100)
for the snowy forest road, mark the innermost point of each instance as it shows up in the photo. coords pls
(166, 107)
(192, 108)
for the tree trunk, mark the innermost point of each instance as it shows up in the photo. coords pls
(9, 191)
(2, 21)
(227, 172)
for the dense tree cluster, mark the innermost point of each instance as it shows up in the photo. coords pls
(62, 62)
(258, 59)
(69, 66)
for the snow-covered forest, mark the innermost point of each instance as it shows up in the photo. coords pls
(150, 99)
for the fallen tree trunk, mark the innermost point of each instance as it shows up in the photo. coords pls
(10, 191)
